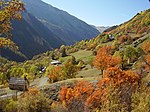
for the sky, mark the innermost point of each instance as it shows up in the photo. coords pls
(101, 12)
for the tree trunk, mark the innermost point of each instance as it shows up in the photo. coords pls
(102, 73)
(128, 61)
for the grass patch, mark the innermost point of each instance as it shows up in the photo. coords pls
(84, 55)
(93, 72)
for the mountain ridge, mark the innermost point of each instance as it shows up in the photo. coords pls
(69, 28)
(35, 35)
(32, 39)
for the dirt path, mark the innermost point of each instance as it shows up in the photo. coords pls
(43, 81)
(39, 82)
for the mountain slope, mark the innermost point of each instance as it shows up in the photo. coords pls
(44, 28)
(138, 24)
(32, 37)
(69, 28)
(112, 36)
(129, 31)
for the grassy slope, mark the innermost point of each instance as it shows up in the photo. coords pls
(141, 20)
(84, 55)
(87, 57)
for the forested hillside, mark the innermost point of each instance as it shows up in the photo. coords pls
(108, 73)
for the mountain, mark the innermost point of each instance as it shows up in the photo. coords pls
(133, 30)
(32, 37)
(112, 36)
(67, 27)
(101, 29)
(137, 25)
(44, 28)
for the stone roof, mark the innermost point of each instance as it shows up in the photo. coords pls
(17, 81)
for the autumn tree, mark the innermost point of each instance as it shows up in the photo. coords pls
(85, 96)
(69, 70)
(9, 10)
(114, 81)
(125, 82)
(104, 59)
(147, 62)
(119, 77)
(66, 71)
(124, 38)
(63, 51)
(54, 74)
(146, 46)
(130, 53)
(74, 98)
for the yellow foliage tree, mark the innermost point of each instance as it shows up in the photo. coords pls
(9, 10)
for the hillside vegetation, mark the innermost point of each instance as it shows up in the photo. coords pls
(138, 24)
(109, 73)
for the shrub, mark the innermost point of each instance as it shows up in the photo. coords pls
(33, 101)
(140, 100)
(11, 106)
(58, 73)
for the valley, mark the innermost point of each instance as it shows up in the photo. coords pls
(93, 71)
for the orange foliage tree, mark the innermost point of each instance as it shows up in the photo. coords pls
(85, 96)
(146, 47)
(147, 62)
(117, 77)
(55, 74)
(122, 81)
(104, 59)
(58, 73)
(74, 98)
(124, 38)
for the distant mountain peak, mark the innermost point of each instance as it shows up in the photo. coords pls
(102, 28)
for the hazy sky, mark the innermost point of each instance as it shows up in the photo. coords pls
(102, 12)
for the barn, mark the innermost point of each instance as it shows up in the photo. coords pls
(18, 84)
